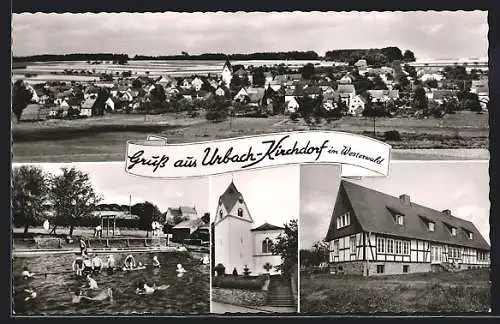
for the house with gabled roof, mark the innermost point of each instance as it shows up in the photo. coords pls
(238, 244)
(373, 233)
(185, 229)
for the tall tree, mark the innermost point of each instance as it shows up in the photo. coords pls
(307, 71)
(73, 197)
(258, 77)
(408, 56)
(21, 97)
(148, 213)
(420, 101)
(287, 247)
(29, 196)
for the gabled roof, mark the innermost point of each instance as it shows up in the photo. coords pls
(374, 212)
(192, 224)
(241, 72)
(267, 227)
(230, 197)
(89, 102)
(346, 88)
(228, 64)
(255, 94)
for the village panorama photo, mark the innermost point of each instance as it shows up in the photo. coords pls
(90, 239)
(416, 241)
(416, 80)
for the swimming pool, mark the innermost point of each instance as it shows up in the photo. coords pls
(189, 294)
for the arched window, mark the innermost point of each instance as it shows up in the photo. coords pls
(240, 212)
(267, 246)
(220, 213)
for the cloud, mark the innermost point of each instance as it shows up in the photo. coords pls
(427, 33)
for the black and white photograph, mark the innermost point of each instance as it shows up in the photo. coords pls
(255, 241)
(416, 241)
(85, 83)
(89, 239)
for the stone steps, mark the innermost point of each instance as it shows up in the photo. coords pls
(280, 293)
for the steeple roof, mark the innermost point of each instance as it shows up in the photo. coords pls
(230, 197)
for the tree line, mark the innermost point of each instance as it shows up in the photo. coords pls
(119, 58)
(373, 56)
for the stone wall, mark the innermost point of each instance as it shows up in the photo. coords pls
(370, 268)
(391, 268)
(239, 296)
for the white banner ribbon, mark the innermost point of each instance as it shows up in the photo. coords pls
(358, 155)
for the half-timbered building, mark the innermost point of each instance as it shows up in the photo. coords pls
(372, 233)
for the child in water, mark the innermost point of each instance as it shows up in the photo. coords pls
(147, 290)
(26, 274)
(156, 263)
(92, 283)
(180, 269)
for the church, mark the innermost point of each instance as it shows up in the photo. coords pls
(372, 233)
(238, 243)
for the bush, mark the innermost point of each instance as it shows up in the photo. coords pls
(216, 115)
(392, 135)
(235, 282)
(220, 269)
(294, 116)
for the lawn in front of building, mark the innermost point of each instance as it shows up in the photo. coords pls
(464, 291)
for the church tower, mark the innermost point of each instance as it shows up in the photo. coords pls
(232, 231)
(227, 73)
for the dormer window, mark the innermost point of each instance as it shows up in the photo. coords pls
(430, 226)
(453, 231)
(344, 220)
(471, 236)
(397, 216)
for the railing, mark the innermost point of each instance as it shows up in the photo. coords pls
(92, 243)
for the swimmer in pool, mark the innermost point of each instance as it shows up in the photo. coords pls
(92, 282)
(156, 263)
(96, 263)
(88, 266)
(101, 296)
(110, 264)
(129, 262)
(147, 290)
(78, 266)
(31, 294)
(26, 274)
(180, 269)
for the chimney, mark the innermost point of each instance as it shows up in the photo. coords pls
(405, 199)
(447, 212)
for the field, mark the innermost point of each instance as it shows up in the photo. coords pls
(104, 138)
(465, 291)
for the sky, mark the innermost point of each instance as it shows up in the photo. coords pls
(115, 185)
(271, 194)
(462, 187)
(429, 34)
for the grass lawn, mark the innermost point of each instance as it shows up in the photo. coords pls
(104, 138)
(465, 291)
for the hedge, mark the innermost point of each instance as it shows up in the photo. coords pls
(236, 282)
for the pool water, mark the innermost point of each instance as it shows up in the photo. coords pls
(188, 294)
